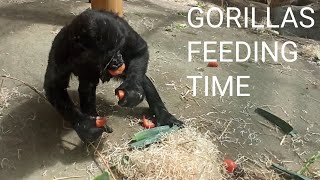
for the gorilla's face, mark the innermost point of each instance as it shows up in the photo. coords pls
(116, 61)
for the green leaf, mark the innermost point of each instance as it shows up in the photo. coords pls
(103, 176)
(149, 132)
(145, 142)
(153, 138)
(181, 26)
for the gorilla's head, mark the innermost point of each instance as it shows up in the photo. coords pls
(116, 61)
(113, 64)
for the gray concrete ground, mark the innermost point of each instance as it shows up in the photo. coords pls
(34, 144)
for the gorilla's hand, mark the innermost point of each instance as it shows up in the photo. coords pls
(87, 130)
(165, 118)
(134, 94)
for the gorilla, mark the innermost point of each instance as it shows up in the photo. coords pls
(94, 43)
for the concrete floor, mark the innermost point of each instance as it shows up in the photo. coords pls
(34, 144)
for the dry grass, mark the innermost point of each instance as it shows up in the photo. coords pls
(256, 168)
(5, 95)
(185, 154)
(311, 51)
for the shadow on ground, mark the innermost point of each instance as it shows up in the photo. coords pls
(45, 12)
(33, 139)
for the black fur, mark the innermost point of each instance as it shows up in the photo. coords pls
(92, 43)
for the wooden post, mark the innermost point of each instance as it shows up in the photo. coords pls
(277, 3)
(115, 6)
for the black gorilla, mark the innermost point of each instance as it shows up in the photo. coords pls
(93, 43)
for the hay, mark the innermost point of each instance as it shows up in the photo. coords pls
(311, 51)
(5, 95)
(256, 168)
(185, 154)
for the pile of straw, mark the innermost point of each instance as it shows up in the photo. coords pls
(184, 154)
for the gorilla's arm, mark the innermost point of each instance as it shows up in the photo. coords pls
(163, 117)
(133, 80)
(56, 83)
(137, 85)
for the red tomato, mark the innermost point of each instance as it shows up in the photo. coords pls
(101, 122)
(212, 64)
(230, 165)
(147, 123)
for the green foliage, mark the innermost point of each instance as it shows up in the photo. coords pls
(103, 176)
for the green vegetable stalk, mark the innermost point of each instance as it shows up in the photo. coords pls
(313, 159)
(151, 136)
(149, 132)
